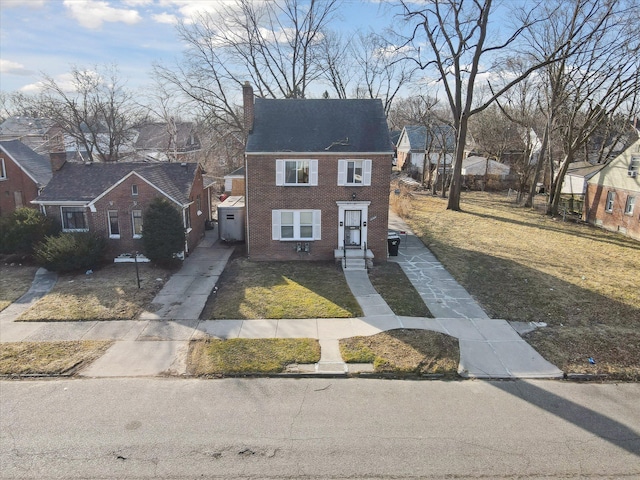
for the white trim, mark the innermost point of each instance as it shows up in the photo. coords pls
(364, 218)
(316, 225)
(343, 172)
(19, 166)
(84, 216)
(281, 180)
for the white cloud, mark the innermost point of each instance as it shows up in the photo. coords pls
(21, 3)
(93, 13)
(165, 18)
(189, 8)
(137, 3)
(13, 68)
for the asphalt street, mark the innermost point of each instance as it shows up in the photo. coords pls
(317, 428)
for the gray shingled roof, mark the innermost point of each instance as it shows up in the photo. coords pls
(319, 125)
(419, 136)
(38, 166)
(85, 182)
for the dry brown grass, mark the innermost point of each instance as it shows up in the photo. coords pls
(405, 352)
(48, 358)
(525, 266)
(110, 293)
(15, 280)
(250, 356)
(396, 289)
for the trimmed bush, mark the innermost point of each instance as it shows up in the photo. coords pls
(23, 229)
(71, 251)
(163, 232)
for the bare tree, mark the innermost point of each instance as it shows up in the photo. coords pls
(275, 45)
(94, 109)
(458, 34)
(596, 79)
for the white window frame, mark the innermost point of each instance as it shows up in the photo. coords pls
(76, 209)
(281, 172)
(276, 225)
(111, 234)
(611, 198)
(634, 166)
(133, 223)
(3, 171)
(134, 190)
(629, 205)
(343, 169)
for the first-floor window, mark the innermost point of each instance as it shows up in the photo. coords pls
(296, 224)
(628, 207)
(114, 226)
(74, 219)
(611, 196)
(136, 218)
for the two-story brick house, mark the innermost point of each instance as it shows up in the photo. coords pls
(317, 178)
(110, 199)
(23, 174)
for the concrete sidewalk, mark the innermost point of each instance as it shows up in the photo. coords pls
(157, 343)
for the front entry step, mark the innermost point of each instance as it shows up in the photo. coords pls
(354, 264)
(354, 259)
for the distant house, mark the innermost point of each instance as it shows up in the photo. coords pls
(234, 182)
(40, 134)
(574, 185)
(613, 194)
(110, 199)
(483, 166)
(164, 142)
(417, 142)
(23, 174)
(317, 179)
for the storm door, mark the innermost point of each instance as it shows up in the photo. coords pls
(352, 228)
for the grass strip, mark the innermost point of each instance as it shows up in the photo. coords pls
(397, 291)
(15, 281)
(250, 356)
(48, 358)
(405, 352)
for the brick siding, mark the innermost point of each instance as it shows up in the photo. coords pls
(263, 196)
(616, 220)
(15, 183)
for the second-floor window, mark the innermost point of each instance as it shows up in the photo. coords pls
(297, 172)
(134, 190)
(354, 172)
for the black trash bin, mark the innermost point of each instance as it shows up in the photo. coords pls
(393, 243)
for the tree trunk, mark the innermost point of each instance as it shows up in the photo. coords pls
(536, 174)
(456, 179)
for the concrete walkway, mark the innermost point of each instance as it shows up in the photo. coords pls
(157, 343)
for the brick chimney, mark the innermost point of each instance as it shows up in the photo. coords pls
(247, 103)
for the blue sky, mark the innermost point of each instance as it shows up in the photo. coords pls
(51, 35)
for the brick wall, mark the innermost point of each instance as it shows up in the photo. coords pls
(263, 196)
(16, 186)
(124, 202)
(616, 220)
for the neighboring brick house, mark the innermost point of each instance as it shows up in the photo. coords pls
(23, 174)
(234, 182)
(613, 194)
(110, 199)
(317, 179)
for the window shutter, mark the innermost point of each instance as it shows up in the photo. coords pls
(366, 172)
(275, 224)
(313, 172)
(317, 225)
(342, 172)
(279, 172)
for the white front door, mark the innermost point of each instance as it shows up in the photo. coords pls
(352, 224)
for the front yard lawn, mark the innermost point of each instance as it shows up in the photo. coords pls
(405, 352)
(250, 356)
(250, 290)
(522, 265)
(15, 281)
(110, 293)
(48, 358)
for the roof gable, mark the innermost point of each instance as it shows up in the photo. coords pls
(37, 167)
(319, 125)
(615, 173)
